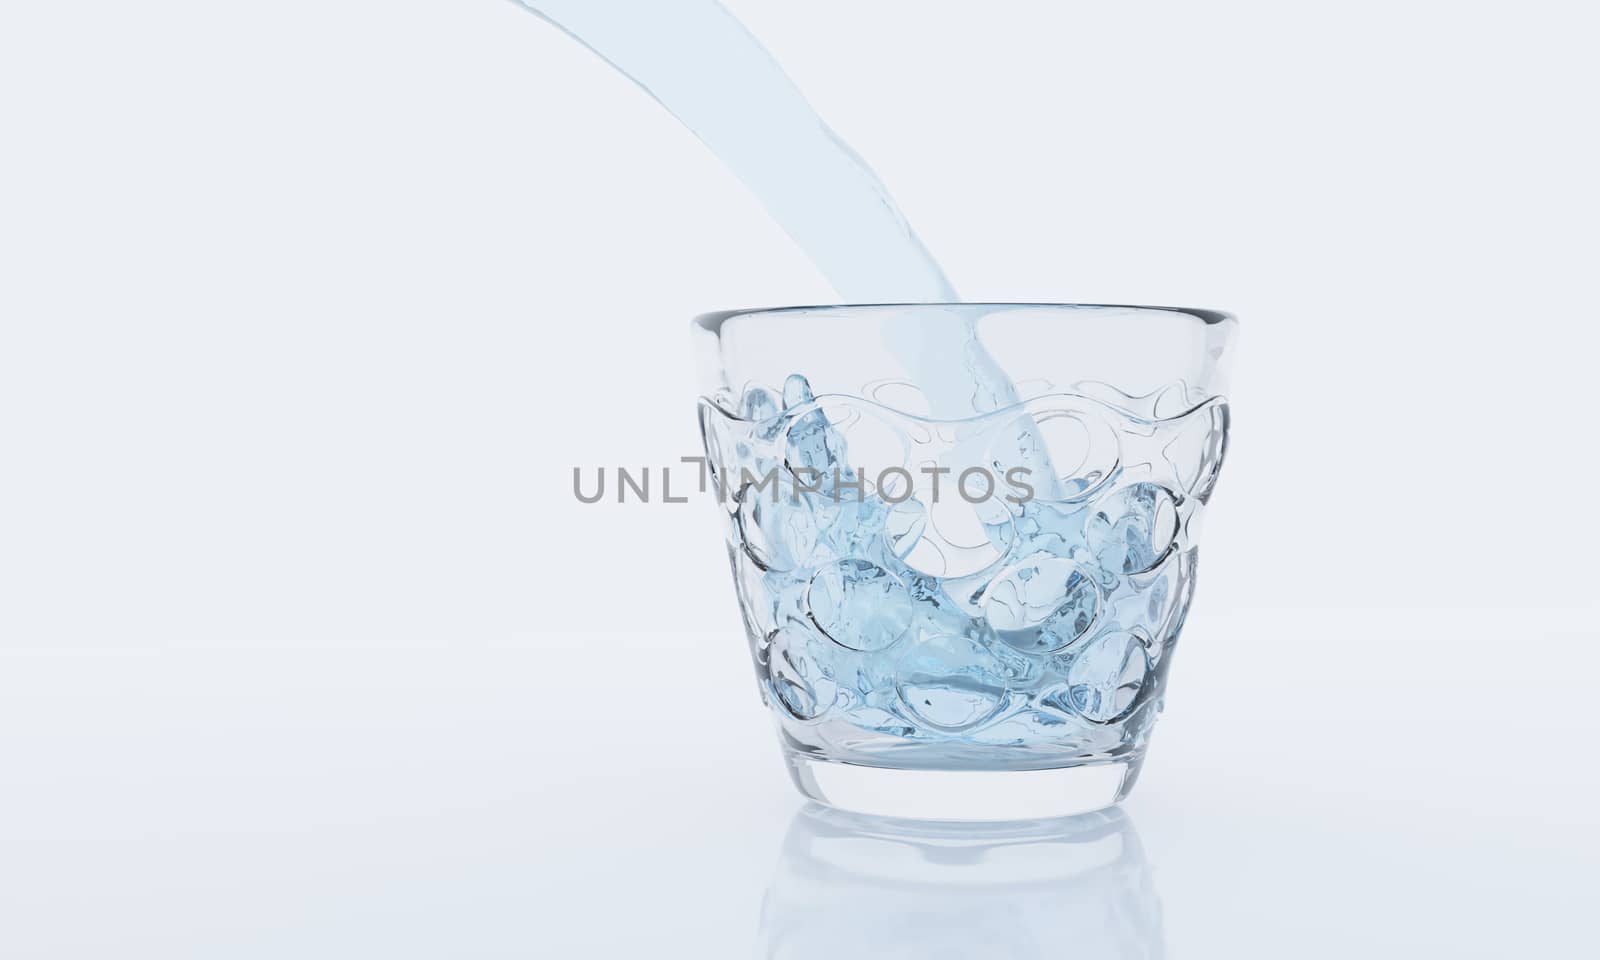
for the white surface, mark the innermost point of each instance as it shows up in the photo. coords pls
(308, 310)
(488, 802)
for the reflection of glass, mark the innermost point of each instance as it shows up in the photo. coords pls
(849, 886)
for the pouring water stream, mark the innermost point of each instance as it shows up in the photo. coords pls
(701, 64)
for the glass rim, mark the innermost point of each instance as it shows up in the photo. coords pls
(1011, 411)
(713, 321)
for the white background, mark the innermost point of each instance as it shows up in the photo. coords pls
(309, 309)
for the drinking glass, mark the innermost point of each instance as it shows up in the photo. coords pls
(964, 539)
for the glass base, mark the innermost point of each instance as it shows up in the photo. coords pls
(964, 794)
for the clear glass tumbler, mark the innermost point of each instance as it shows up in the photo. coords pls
(964, 539)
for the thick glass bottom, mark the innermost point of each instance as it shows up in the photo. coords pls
(981, 795)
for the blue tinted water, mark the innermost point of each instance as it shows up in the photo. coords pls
(865, 619)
